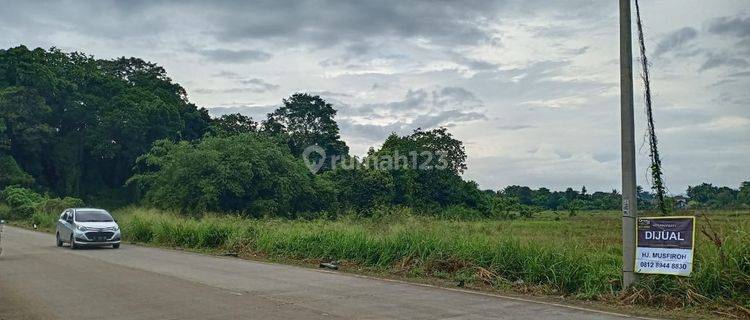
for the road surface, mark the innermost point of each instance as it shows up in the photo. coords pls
(41, 281)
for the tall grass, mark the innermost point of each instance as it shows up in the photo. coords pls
(45, 220)
(4, 211)
(577, 256)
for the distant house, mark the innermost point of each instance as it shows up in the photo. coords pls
(681, 203)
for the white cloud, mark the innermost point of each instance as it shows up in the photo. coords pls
(531, 87)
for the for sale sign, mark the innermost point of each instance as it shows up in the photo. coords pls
(665, 245)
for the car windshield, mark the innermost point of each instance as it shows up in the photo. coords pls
(93, 216)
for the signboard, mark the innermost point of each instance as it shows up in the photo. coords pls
(664, 245)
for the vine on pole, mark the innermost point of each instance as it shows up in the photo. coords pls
(656, 171)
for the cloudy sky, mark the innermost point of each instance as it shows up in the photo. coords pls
(531, 87)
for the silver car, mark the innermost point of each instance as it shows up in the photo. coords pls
(87, 227)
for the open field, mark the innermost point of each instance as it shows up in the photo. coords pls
(576, 256)
(551, 254)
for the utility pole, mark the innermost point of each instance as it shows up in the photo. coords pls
(627, 142)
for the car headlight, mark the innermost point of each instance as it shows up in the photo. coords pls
(115, 228)
(82, 228)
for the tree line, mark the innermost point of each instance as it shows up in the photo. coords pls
(121, 131)
(703, 196)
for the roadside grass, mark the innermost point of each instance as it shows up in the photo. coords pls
(4, 211)
(44, 219)
(576, 256)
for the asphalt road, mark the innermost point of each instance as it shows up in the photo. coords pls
(41, 281)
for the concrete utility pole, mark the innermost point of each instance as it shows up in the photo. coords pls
(627, 142)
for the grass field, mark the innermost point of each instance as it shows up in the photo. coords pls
(576, 256)
(553, 254)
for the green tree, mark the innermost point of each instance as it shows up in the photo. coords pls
(644, 198)
(571, 194)
(523, 194)
(702, 193)
(251, 173)
(362, 188)
(231, 124)
(541, 197)
(743, 196)
(10, 172)
(725, 197)
(77, 124)
(426, 170)
(427, 149)
(26, 135)
(308, 120)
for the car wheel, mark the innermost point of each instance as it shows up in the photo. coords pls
(59, 242)
(116, 246)
(72, 243)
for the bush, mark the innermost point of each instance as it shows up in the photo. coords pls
(263, 208)
(4, 211)
(527, 211)
(25, 204)
(460, 212)
(245, 173)
(23, 212)
(18, 197)
(44, 219)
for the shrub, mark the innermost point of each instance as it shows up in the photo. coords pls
(527, 211)
(4, 211)
(263, 208)
(17, 197)
(25, 204)
(44, 219)
(23, 212)
(460, 212)
(240, 173)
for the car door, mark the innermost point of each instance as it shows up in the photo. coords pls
(59, 225)
(66, 228)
